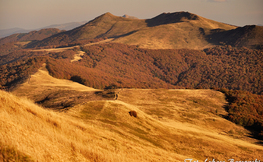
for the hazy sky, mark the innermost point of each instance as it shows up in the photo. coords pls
(33, 14)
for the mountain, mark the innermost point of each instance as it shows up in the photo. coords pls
(7, 32)
(104, 62)
(168, 30)
(33, 35)
(101, 26)
(66, 26)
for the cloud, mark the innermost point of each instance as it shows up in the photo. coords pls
(218, 0)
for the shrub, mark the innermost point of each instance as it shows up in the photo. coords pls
(133, 113)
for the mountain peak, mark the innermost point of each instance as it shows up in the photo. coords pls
(167, 18)
(105, 17)
(108, 14)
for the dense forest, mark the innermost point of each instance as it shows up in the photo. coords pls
(245, 109)
(130, 66)
(17, 72)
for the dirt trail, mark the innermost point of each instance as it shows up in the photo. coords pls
(78, 55)
(55, 49)
(69, 48)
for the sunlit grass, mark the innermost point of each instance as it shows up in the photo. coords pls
(169, 127)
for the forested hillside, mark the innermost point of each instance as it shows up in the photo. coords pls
(239, 69)
(245, 109)
(130, 66)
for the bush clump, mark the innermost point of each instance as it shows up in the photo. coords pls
(133, 113)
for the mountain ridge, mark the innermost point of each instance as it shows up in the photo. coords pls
(33, 35)
(63, 26)
(165, 31)
(8, 32)
(169, 30)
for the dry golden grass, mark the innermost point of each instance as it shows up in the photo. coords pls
(171, 125)
(77, 56)
(49, 136)
(179, 35)
(104, 131)
(42, 81)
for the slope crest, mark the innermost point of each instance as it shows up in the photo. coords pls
(33, 35)
(168, 18)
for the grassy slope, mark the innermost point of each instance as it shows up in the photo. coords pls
(185, 34)
(175, 34)
(54, 93)
(41, 81)
(172, 125)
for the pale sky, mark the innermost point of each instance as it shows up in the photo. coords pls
(33, 14)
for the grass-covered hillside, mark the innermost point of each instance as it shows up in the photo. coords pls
(171, 125)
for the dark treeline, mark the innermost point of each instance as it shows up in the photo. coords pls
(17, 66)
(17, 72)
(245, 109)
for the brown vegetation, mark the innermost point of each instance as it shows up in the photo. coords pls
(17, 72)
(129, 66)
(133, 113)
(245, 109)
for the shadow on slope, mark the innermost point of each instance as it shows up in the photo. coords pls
(168, 18)
(250, 36)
